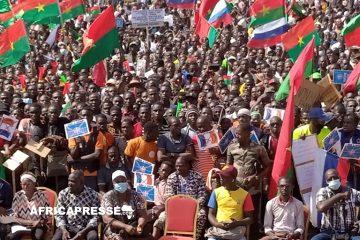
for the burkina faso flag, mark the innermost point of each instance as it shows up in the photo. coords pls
(40, 11)
(71, 9)
(99, 40)
(14, 44)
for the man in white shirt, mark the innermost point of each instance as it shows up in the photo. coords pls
(284, 215)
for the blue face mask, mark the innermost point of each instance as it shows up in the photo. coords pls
(121, 187)
(334, 184)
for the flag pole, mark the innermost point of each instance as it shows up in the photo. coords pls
(61, 19)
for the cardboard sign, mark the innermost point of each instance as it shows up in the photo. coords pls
(37, 148)
(340, 76)
(330, 94)
(147, 18)
(16, 160)
(308, 94)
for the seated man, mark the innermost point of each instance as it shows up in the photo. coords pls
(166, 168)
(230, 208)
(284, 215)
(80, 225)
(336, 201)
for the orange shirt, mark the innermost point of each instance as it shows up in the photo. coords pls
(103, 142)
(138, 147)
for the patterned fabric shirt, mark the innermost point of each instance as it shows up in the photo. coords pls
(23, 208)
(67, 200)
(343, 215)
(192, 185)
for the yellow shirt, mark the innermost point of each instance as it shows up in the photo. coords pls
(230, 204)
(305, 130)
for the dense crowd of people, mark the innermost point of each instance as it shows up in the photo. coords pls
(161, 91)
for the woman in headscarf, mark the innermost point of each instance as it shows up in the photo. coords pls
(26, 210)
(132, 221)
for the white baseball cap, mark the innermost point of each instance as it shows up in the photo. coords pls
(118, 173)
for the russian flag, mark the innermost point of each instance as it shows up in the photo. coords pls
(184, 4)
(220, 15)
(324, 161)
(268, 34)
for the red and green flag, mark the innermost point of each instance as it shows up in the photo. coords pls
(6, 19)
(71, 8)
(100, 40)
(352, 84)
(211, 16)
(40, 11)
(5, 6)
(266, 11)
(94, 11)
(351, 32)
(298, 37)
(297, 9)
(282, 163)
(284, 89)
(14, 44)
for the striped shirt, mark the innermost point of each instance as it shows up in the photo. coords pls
(343, 214)
(24, 208)
(203, 161)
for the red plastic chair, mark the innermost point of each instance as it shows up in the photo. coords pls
(181, 215)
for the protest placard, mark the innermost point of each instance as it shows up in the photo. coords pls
(76, 129)
(304, 152)
(330, 95)
(7, 127)
(307, 95)
(340, 76)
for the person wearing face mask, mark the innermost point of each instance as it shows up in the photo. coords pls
(337, 203)
(131, 223)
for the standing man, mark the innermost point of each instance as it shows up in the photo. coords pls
(252, 162)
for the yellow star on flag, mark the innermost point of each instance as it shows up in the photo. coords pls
(88, 43)
(300, 40)
(265, 10)
(12, 45)
(67, 10)
(40, 7)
